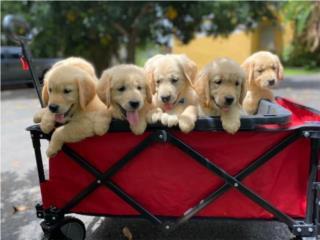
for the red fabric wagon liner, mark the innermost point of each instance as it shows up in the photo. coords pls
(168, 182)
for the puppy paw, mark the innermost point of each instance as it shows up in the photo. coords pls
(101, 124)
(231, 126)
(186, 124)
(139, 129)
(156, 117)
(101, 129)
(47, 127)
(52, 151)
(164, 119)
(169, 120)
(38, 116)
(172, 120)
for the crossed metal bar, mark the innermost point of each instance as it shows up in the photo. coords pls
(240, 176)
(104, 178)
(164, 136)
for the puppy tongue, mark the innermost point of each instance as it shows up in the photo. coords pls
(168, 106)
(133, 117)
(225, 109)
(59, 118)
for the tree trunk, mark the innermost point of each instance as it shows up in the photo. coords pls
(131, 48)
(100, 56)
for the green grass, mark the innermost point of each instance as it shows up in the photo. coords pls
(289, 71)
(142, 54)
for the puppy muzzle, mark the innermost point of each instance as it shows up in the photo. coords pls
(54, 108)
(132, 105)
(271, 82)
(228, 102)
(165, 99)
(131, 112)
(62, 117)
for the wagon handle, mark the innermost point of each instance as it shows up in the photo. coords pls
(12, 25)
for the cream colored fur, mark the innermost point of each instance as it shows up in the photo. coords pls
(121, 85)
(219, 80)
(172, 75)
(264, 70)
(70, 85)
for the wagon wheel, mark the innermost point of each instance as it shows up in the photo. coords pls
(69, 228)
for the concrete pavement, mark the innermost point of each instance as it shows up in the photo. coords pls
(19, 183)
(301, 89)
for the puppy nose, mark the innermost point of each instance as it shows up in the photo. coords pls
(229, 100)
(166, 99)
(272, 82)
(53, 108)
(134, 104)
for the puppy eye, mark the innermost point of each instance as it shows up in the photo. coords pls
(174, 80)
(122, 89)
(66, 91)
(260, 70)
(237, 83)
(50, 89)
(218, 82)
(158, 82)
(139, 88)
(273, 67)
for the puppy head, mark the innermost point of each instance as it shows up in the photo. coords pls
(263, 70)
(124, 87)
(169, 75)
(221, 84)
(67, 88)
(79, 63)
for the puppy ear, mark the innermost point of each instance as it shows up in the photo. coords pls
(45, 94)
(87, 89)
(189, 68)
(202, 87)
(243, 91)
(149, 93)
(279, 68)
(248, 68)
(151, 81)
(149, 69)
(104, 87)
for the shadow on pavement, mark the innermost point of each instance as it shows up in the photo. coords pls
(193, 230)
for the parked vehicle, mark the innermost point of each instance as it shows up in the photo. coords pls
(11, 69)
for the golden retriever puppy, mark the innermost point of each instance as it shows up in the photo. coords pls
(49, 125)
(125, 91)
(72, 104)
(263, 70)
(171, 78)
(221, 88)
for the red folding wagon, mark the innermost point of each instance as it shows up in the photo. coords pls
(267, 170)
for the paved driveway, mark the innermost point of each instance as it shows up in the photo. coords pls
(20, 189)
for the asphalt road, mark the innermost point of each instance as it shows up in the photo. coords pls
(19, 183)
